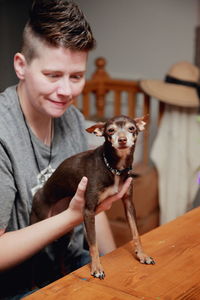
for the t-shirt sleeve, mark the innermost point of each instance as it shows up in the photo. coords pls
(7, 187)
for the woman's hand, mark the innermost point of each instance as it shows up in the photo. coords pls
(78, 202)
(107, 203)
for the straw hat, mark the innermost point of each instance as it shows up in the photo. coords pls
(180, 87)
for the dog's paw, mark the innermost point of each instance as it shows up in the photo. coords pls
(145, 259)
(97, 271)
(149, 260)
(98, 274)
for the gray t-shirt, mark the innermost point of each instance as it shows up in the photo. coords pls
(19, 168)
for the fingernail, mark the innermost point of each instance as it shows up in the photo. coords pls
(84, 180)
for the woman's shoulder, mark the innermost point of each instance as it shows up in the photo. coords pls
(9, 93)
(9, 114)
(8, 101)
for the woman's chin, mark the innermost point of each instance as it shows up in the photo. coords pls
(58, 111)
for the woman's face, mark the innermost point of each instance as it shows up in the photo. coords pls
(53, 79)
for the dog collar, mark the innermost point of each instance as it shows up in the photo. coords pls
(115, 171)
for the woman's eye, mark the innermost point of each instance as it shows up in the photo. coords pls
(77, 77)
(52, 75)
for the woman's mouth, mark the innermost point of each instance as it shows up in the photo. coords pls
(60, 103)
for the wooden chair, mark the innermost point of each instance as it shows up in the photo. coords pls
(122, 95)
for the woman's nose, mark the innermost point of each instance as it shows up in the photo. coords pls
(64, 87)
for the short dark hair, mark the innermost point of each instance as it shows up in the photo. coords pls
(57, 23)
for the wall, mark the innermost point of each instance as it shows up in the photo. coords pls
(142, 38)
(13, 15)
(139, 38)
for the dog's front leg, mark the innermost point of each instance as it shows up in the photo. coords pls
(96, 267)
(131, 218)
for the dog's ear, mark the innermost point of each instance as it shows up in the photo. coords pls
(97, 129)
(141, 122)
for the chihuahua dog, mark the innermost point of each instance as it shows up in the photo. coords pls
(106, 168)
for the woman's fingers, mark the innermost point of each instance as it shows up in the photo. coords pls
(78, 200)
(80, 192)
(125, 188)
(106, 204)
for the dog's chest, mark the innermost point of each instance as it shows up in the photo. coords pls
(111, 190)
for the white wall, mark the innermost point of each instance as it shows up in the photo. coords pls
(139, 38)
(13, 15)
(142, 38)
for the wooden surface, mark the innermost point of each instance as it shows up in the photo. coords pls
(175, 247)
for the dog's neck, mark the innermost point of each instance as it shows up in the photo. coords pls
(117, 161)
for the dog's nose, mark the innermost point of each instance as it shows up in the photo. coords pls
(122, 140)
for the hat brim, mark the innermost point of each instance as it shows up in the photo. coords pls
(171, 93)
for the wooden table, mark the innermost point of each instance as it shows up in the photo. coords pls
(175, 247)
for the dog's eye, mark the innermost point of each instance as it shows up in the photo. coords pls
(131, 128)
(111, 130)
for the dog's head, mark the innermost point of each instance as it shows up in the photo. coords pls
(120, 131)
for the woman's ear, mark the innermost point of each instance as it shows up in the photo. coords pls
(19, 65)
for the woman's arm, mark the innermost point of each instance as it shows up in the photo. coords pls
(17, 246)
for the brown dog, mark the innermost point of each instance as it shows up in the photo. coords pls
(106, 168)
